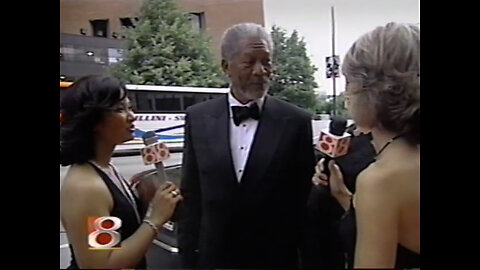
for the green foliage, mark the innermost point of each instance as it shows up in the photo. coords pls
(293, 79)
(325, 105)
(164, 49)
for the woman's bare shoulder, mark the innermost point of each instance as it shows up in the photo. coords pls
(387, 178)
(83, 195)
(79, 177)
(373, 175)
(82, 184)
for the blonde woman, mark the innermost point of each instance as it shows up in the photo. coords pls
(382, 71)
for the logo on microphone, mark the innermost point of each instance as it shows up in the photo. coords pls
(103, 233)
(333, 146)
(154, 153)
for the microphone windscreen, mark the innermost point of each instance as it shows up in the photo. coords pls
(338, 125)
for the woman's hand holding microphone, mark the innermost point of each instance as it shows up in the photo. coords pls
(163, 203)
(337, 186)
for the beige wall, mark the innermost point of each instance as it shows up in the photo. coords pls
(76, 14)
(219, 14)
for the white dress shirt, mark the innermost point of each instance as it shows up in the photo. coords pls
(241, 136)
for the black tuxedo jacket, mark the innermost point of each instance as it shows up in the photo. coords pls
(255, 223)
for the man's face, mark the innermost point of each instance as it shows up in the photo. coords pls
(249, 70)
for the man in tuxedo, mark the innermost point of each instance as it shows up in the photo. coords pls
(247, 166)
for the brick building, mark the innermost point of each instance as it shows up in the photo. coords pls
(90, 38)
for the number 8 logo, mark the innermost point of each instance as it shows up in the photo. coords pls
(102, 237)
(149, 156)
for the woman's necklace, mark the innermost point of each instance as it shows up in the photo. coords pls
(105, 169)
(121, 185)
(387, 144)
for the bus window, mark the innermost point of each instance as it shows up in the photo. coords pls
(168, 102)
(193, 98)
(188, 100)
(201, 97)
(144, 102)
(133, 100)
(212, 96)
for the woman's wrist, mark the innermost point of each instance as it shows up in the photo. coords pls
(157, 221)
(344, 200)
(152, 225)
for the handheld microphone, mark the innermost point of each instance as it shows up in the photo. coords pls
(333, 142)
(147, 183)
(155, 152)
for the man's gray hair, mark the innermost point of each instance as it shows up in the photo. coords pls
(232, 36)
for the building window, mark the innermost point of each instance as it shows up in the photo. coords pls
(101, 56)
(126, 22)
(197, 20)
(67, 52)
(100, 28)
(114, 55)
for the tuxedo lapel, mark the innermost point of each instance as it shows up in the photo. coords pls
(217, 130)
(265, 142)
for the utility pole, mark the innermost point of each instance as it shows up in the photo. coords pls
(333, 64)
(333, 56)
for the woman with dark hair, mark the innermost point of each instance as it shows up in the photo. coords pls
(382, 70)
(96, 115)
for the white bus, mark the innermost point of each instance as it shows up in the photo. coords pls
(162, 109)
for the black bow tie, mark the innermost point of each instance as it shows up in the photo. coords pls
(241, 113)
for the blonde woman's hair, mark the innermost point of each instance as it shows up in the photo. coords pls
(383, 67)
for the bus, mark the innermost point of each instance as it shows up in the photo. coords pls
(161, 109)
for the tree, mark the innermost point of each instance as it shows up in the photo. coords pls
(325, 105)
(164, 49)
(293, 79)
